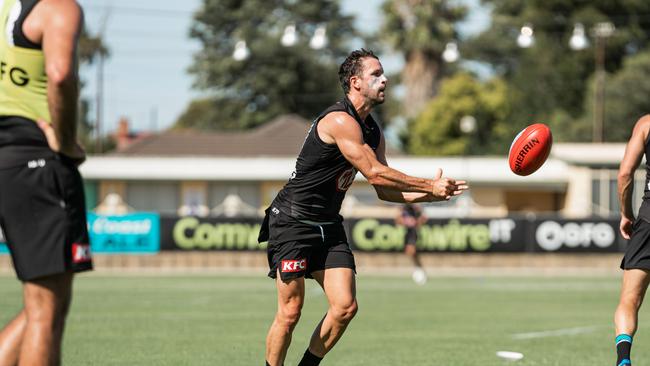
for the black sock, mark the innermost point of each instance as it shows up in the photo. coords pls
(623, 348)
(309, 359)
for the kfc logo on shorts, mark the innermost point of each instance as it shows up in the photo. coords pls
(81, 253)
(294, 265)
(345, 179)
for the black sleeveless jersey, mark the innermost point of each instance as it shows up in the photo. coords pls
(322, 175)
(644, 211)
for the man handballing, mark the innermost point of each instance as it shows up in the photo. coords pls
(303, 225)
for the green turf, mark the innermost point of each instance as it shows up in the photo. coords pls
(222, 320)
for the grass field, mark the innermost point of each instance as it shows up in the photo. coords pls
(222, 320)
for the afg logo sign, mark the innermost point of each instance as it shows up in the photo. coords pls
(554, 236)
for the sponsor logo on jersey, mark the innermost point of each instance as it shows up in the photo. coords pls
(14, 74)
(81, 253)
(344, 179)
(293, 265)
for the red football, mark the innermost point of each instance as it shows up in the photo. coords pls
(530, 148)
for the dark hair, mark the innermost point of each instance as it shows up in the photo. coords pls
(352, 66)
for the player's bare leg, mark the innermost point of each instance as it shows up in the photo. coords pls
(412, 252)
(419, 275)
(291, 295)
(340, 289)
(635, 284)
(11, 338)
(46, 305)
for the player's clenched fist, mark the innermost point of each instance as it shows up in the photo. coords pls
(445, 188)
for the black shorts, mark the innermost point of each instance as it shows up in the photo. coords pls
(43, 216)
(637, 253)
(297, 249)
(411, 237)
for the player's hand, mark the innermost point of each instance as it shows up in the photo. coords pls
(445, 188)
(74, 151)
(626, 227)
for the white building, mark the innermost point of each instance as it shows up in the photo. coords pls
(193, 172)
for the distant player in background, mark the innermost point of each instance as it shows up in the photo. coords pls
(42, 208)
(636, 262)
(412, 217)
(303, 226)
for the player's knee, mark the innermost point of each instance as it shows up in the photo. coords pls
(346, 311)
(289, 314)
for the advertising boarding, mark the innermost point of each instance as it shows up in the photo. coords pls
(3, 245)
(149, 233)
(130, 233)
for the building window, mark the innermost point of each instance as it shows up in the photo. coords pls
(604, 192)
(194, 199)
(153, 196)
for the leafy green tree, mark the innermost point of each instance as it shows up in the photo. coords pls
(419, 30)
(550, 80)
(626, 97)
(274, 79)
(201, 114)
(437, 130)
(91, 47)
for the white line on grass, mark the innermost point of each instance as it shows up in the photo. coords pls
(555, 333)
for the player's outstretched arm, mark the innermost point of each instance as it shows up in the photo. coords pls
(391, 185)
(387, 194)
(631, 160)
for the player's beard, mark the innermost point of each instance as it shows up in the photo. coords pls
(376, 100)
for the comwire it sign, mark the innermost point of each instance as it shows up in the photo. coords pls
(192, 233)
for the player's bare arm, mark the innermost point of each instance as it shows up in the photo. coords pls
(633, 153)
(341, 129)
(391, 195)
(56, 26)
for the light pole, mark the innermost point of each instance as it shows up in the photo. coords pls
(468, 126)
(451, 54)
(601, 32)
(526, 38)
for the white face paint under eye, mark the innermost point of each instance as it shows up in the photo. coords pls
(375, 81)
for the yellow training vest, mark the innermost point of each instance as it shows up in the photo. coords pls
(23, 82)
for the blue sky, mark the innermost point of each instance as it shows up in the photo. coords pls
(146, 77)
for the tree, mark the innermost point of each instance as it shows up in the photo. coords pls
(437, 130)
(626, 97)
(419, 30)
(274, 79)
(550, 80)
(89, 50)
